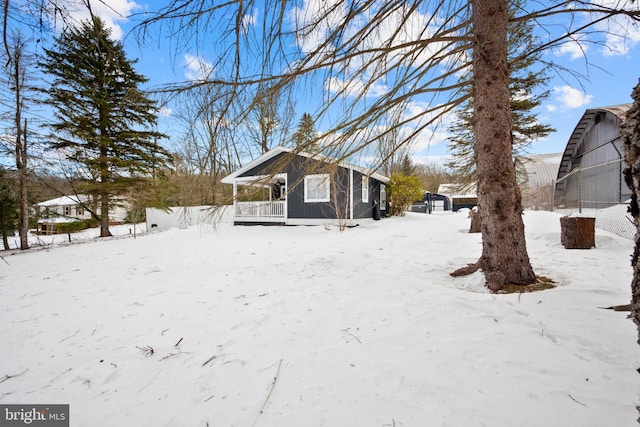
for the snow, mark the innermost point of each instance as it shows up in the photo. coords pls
(65, 201)
(310, 326)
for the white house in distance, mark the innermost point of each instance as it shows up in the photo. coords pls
(71, 208)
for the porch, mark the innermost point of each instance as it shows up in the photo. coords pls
(262, 211)
(260, 199)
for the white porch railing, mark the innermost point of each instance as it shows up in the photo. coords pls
(260, 210)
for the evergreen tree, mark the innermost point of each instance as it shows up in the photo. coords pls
(305, 136)
(523, 83)
(101, 117)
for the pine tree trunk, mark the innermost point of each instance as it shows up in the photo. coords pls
(104, 186)
(104, 215)
(504, 254)
(631, 144)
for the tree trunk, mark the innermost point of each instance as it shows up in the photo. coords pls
(104, 191)
(504, 257)
(104, 215)
(631, 144)
(21, 149)
(5, 239)
(23, 229)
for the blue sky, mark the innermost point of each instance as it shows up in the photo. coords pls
(613, 72)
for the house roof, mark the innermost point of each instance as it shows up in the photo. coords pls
(229, 179)
(584, 125)
(454, 190)
(65, 201)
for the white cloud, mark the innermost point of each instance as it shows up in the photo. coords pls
(196, 68)
(165, 111)
(355, 88)
(250, 20)
(113, 13)
(574, 49)
(316, 20)
(570, 97)
(622, 33)
(424, 158)
(310, 38)
(622, 42)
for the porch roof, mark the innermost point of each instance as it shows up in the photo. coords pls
(229, 179)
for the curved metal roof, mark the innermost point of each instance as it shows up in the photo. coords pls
(583, 126)
(538, 170)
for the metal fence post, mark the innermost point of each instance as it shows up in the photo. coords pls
(580, 190)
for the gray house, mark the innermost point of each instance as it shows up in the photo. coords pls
(590, 174)
(287, 187)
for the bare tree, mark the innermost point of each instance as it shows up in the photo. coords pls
(269, 121)
(208, 148)
(17, 73)
(19, 69)
(392, 148)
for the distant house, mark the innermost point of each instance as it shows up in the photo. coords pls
(590, 174)
(286, 187)
(73, 208)
(459, 196)
(536, 176)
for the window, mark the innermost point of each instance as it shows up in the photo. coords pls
(383, 197)
(79, 210)
(316, 188)
(365, 188)
(67, 210)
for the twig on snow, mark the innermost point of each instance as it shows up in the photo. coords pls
(346, 331)
(273, 384)
(148, 350)
(8, 377)
(209, 360)
(178, 343)
(576, 400)
(174, 354)
(7, 262)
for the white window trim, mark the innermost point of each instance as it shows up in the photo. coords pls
(365, 188)
(326, 183)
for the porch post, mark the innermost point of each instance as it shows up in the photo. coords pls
(235, 194)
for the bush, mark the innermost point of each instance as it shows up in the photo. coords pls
(404, 190)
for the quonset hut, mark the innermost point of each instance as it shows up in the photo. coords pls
(590, 174)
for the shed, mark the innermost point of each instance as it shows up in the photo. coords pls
(590, 174)
(460, 196)
(288, 187)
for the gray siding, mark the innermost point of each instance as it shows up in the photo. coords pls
(297, 167)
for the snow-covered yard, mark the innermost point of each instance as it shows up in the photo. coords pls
(308, 326)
